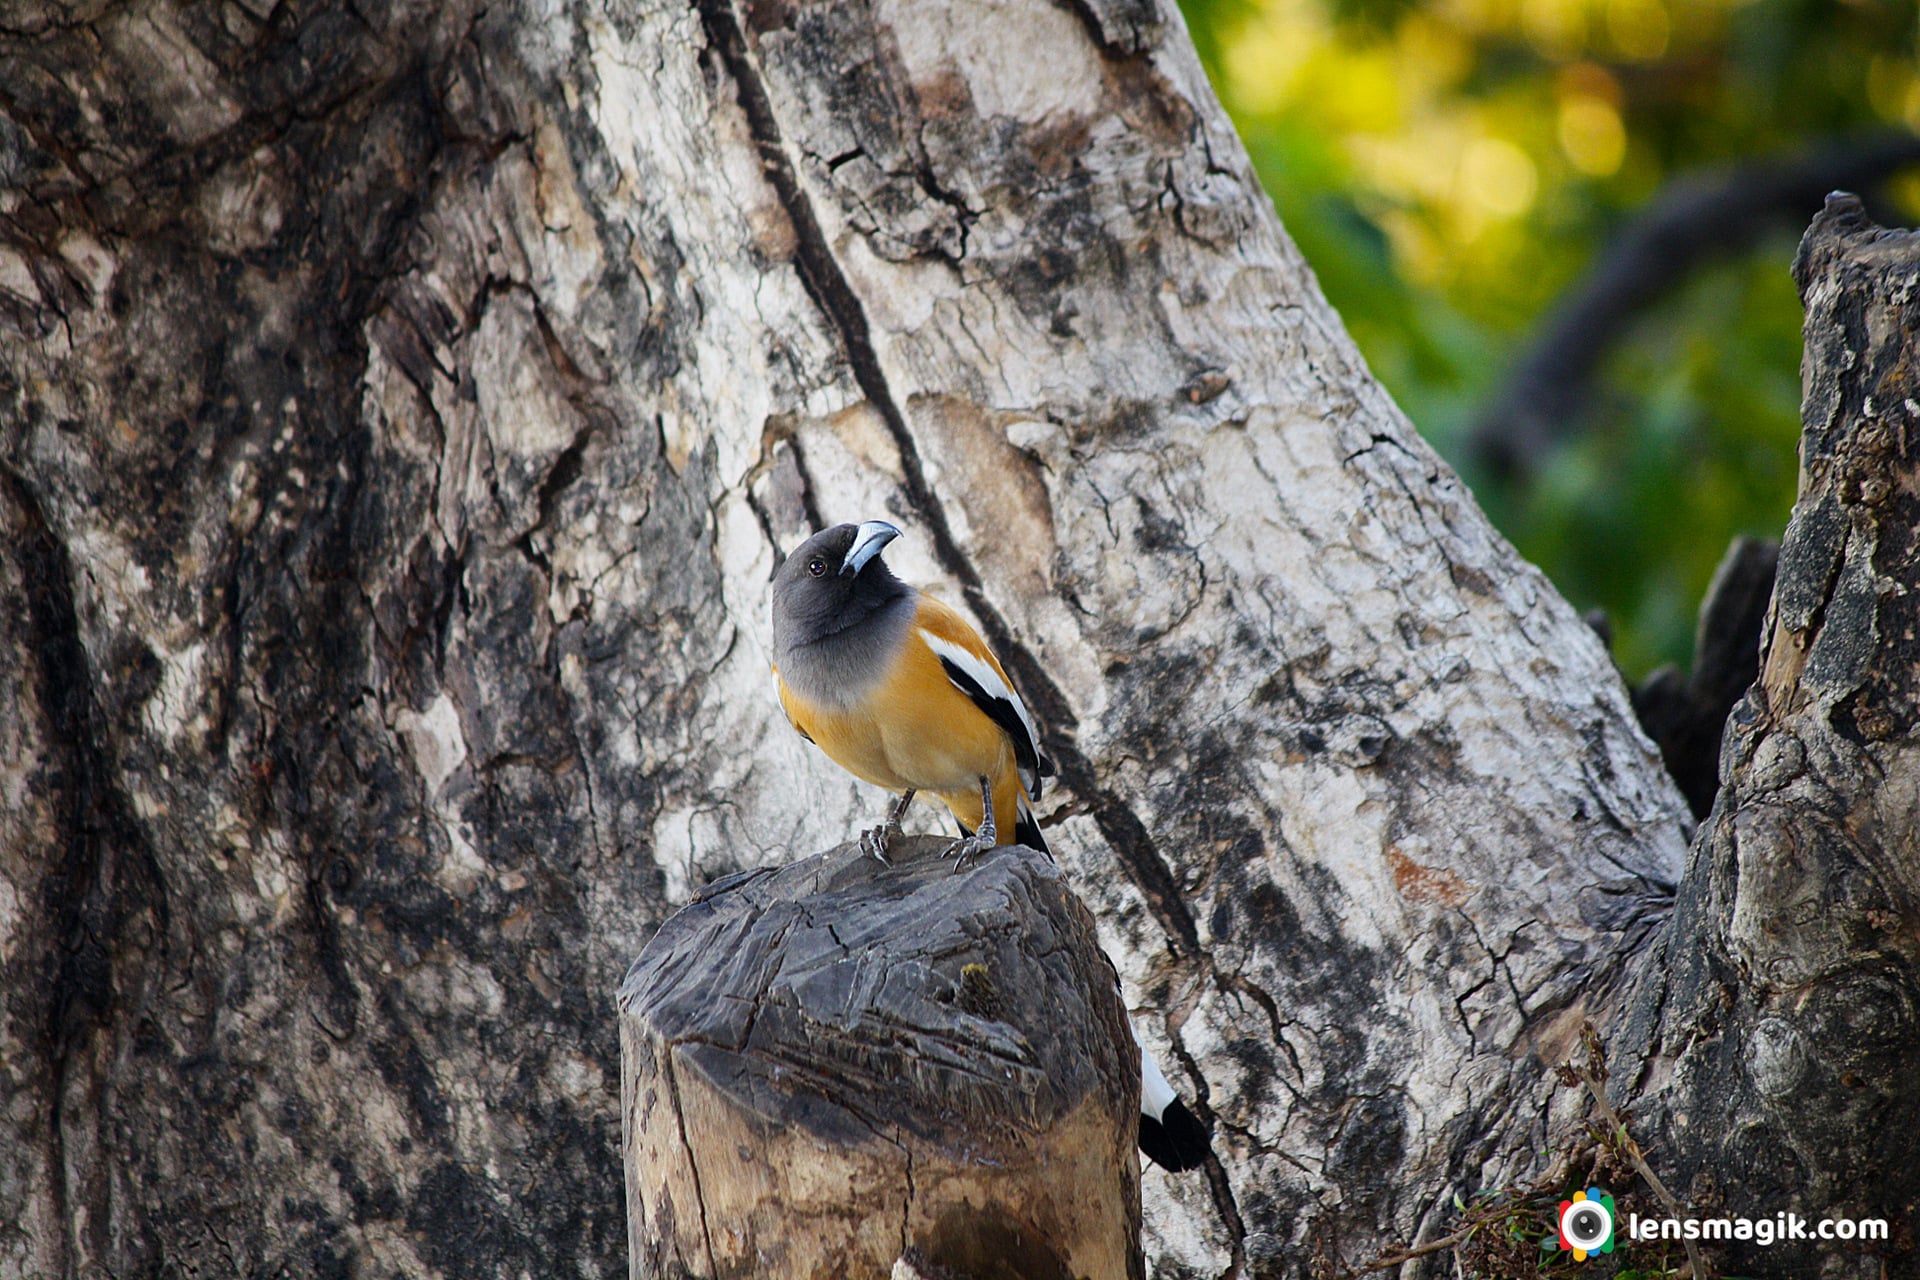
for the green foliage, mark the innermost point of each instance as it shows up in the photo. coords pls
(1449, 167)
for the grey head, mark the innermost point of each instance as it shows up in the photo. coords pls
(839, 614)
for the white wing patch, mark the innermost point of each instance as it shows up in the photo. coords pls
(983, 674)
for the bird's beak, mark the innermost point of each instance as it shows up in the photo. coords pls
(868, 540)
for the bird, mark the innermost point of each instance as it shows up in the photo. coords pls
(901, 691)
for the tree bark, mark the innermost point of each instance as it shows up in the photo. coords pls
(404, 406)
(839, 1064)
(1774, 1030)
(1686, 715)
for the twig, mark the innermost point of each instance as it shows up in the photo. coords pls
(1474, 1220)
(1387, 1261)
(1594, 1075)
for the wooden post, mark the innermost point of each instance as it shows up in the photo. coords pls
(830, 1064)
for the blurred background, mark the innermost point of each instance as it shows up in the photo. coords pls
(1562, 232)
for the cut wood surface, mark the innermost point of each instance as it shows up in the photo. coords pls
(829, 1065)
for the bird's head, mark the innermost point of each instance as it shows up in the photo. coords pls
(832, 581)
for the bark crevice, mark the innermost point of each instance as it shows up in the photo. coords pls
(837, 299)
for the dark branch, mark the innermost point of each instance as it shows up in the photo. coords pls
(1686, 715)
(1694, 221)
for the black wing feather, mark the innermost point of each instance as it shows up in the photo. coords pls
(1026, 752)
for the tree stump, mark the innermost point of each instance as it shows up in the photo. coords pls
(830, 1064)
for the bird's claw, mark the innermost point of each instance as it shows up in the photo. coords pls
(987, 838)
(875, 841)
(967, 848)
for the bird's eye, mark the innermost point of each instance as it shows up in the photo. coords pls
(816, 566)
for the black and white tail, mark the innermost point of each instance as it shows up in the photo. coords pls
(1170, 1135)
(1026, 831)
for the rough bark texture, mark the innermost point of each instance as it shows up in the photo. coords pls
(831, 1065)
(403, 407)
(1777, 1023)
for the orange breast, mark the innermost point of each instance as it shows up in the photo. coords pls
(917, 730)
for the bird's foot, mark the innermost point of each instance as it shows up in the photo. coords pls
(967, 848)
(875, 841)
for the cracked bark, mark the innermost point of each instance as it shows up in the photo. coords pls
(401, 412)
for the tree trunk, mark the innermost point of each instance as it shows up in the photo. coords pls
(1775, 1027)
(404, 406)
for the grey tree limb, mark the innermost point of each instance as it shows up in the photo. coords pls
(1686, 715)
